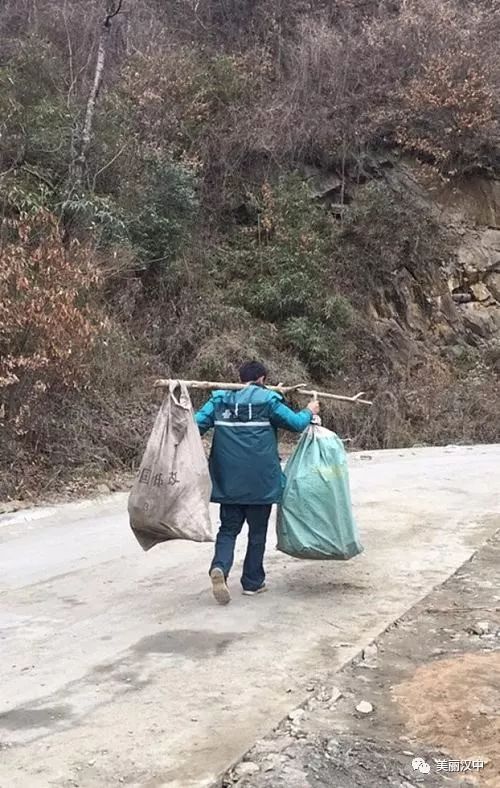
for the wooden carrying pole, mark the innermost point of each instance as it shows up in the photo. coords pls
(207, 385)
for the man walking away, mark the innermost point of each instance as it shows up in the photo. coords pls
(245, 470)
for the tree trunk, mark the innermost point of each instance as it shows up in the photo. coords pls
(80, 160)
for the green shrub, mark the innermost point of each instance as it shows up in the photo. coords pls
(100, 216)
(317, 345)
(280, 271)
(287, 294)
(162, 220)
(36, 121)
(154, 218)
(337, 312)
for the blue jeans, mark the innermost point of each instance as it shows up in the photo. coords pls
(232, 517)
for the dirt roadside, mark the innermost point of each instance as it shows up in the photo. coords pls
(433, 684)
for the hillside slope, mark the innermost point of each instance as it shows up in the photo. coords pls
(186, 185)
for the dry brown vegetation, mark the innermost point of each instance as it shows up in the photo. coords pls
(186, 238)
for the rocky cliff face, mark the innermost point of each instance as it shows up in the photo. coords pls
(473, 211)
(457, 305)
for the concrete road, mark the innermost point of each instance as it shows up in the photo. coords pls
(117, 667)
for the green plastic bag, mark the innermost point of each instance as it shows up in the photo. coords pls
(315, 518)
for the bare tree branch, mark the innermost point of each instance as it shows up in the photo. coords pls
(36, 174)
(113, 10)
(105, 167)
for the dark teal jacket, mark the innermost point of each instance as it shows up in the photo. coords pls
(244, 463)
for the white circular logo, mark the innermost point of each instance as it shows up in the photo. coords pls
(419, 765)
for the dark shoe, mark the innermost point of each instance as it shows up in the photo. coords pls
(219, 587)
(257, 591)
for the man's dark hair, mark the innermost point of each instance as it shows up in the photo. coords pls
(251, 371)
